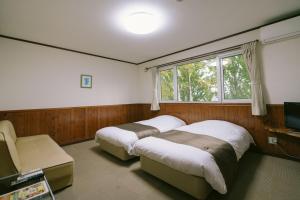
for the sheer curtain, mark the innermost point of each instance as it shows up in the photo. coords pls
(155, 80)
(249, 54)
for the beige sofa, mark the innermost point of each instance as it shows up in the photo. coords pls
(21, 154)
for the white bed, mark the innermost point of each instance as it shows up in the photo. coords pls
(126, 139)
(193, 161)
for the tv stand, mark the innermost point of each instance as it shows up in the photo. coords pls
(284, 132)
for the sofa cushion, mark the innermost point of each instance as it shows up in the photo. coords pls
(40, 151)
(59, 176)
(8, 139)
(7, 126)
(5, 157)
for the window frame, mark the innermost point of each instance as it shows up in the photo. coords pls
(220, 57)
(173, 68)
(198, 60)
(220, 80)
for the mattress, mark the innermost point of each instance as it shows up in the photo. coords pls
(124, 139)
(114, 150)
(193, 185)
(191, 160)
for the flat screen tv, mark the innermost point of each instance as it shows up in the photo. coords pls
(292, 115)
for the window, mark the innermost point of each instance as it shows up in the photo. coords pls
(166, 85)
(197, 81)
(236, 81)
(223, 78)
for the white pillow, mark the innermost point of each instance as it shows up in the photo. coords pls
(164, 122)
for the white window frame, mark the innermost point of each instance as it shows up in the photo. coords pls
(220, 57)
(198, 60)
(220, 81)
(173, 68)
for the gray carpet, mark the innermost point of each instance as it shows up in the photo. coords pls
(99, 175)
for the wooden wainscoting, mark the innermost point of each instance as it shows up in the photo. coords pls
(70, 125)
(237, 113)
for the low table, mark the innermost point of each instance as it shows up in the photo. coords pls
(32, 185)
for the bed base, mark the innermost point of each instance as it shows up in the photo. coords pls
(116, 151)
(193, 185)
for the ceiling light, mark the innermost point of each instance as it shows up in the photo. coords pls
(141, 22)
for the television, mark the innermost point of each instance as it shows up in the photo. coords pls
(292, 115)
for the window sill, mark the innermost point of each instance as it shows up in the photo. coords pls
(212, 103)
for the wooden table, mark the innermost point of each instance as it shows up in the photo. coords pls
(284, 132)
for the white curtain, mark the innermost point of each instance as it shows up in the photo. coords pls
(155, 79)
(250, 57)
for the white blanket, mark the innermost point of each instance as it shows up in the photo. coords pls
(194, 161)
(126, 139)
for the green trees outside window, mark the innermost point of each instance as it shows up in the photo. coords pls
(236, 78)
(197, 81)
(166, 83)
(209, 80)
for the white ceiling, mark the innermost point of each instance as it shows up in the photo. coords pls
(90, 25)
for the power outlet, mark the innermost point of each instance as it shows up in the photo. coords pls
(272, 140)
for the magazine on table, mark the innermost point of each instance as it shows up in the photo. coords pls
(28, 192)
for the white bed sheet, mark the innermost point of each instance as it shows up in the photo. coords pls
(126, 139)
(194, 161)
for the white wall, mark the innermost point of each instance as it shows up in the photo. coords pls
(280, 67)
(33, 76)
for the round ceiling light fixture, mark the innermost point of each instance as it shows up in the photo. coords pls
(141, 22)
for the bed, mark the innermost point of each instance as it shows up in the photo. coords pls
(196, 158)
(119, 140)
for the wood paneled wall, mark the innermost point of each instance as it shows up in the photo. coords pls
(70, 125)
(239, 114)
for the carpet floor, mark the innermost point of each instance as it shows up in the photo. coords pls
(98, 175)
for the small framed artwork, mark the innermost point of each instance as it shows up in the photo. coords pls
(86, 81)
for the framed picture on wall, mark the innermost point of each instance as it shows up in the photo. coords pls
(86, 81)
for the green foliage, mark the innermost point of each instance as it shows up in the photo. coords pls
(166, 82)
(236, 78)
(197, 81)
